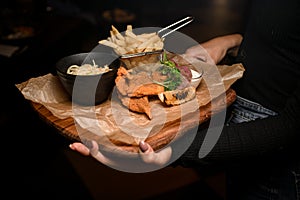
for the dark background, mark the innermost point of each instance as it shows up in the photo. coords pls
(36, 160)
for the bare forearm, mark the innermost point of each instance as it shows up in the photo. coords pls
(226, 42)
(229, 41)
(216, 48)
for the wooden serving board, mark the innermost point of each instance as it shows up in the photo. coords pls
(68, 128)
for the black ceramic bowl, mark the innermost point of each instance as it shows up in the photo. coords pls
(88, 90)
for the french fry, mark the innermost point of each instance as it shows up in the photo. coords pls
(120, 36)
(112, 37)
(121, 50)
(120, 42)
(148, 43)
(129, 28)
(108, 43)
(130, 50)
(147, 49)
(130, 34)
(117, 33)
(130, 42)
(147, 35)
(114, 30)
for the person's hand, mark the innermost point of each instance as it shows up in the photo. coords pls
(207, 52)
(91, 148)
(214, 50)
(159, 158)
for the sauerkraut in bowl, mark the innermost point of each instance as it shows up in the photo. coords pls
(88, 69)
(88, 77)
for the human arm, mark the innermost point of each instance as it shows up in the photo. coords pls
(271, 137)
(245, 141)
(91, 148)
(214, 50)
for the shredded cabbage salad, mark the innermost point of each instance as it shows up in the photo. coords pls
(88, 69)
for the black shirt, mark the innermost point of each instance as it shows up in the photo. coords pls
(270, 53)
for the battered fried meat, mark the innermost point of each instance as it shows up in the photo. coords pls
(134, 89)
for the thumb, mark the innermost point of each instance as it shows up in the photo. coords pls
(145, 147)
(81, 148)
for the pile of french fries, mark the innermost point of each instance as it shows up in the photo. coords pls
(131, 43)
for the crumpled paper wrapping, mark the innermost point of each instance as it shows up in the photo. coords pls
(111, 121)
(48, 91)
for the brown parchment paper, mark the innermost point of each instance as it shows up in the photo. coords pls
(111, 123)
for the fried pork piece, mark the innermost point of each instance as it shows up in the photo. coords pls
(138, 81)
(147, 90)
(136, 84)
(134, 89)
(137, 104)
(121, 71)
(120, 80)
